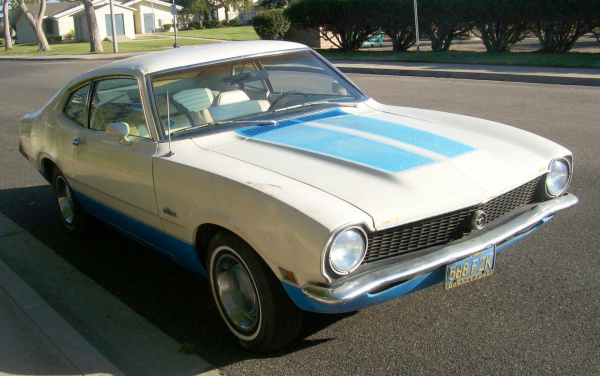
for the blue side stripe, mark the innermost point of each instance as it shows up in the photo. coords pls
(180, 251)
(411, 136)
(346, 147)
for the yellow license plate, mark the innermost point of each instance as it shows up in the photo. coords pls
(474, 267)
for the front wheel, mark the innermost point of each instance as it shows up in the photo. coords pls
(250, 299)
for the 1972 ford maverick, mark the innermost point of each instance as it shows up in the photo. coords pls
(262, 167)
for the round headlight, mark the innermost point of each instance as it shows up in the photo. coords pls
(558, 177)
(347, 250)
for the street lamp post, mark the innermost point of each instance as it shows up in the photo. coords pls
(174, 13)
(417, 29)
(114, 27)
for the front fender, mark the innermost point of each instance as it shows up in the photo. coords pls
(287, 222)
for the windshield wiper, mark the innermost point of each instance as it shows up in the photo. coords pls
(317, 103)
(216, 123)
(253, 122)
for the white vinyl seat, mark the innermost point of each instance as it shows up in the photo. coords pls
(230, 97)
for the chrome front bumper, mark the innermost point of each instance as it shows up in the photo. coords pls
(354, 286)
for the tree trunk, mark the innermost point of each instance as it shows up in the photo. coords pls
(7, 36)
(226, 15)
(36, 23)
(90, 15)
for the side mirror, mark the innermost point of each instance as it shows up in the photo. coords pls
(120, 130)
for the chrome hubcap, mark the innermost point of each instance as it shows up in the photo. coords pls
(65, 199)
(236, 292)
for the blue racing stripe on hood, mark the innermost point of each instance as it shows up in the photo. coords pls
(411, 136)
(255, 130)
(344, 146)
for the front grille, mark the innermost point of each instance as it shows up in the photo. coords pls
(444, 228)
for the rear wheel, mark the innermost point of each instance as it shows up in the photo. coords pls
(71, 213)
(250, 299)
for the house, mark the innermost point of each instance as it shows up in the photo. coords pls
(131, 17)
(52, 26)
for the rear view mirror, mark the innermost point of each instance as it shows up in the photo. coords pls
(119, 130)
(338, 89)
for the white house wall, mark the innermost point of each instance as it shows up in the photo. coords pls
(65, 24)
(25, 33)
(101, 20)
(221, 14)
(162, 15)
(127, 21)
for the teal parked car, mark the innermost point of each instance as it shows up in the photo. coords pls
(374, 40)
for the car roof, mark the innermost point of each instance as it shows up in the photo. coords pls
(188, 56)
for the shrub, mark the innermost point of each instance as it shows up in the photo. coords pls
(235, 22)
(559, 23)
(443, 21)
(69, 36)
(194, 25)
(271, 24)
(167, 27)
(397, 21)
(500, 24)
(211, 24)
(56, 39)
(345, 23)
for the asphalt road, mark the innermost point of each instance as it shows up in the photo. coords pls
(538, 314)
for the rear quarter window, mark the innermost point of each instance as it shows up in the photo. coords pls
(75, 108)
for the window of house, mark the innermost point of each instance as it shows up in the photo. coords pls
(47, 26)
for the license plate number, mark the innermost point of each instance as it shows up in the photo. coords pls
(474, 267)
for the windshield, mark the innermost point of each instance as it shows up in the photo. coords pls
(248, 89)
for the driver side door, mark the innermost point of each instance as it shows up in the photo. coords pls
(113, 178)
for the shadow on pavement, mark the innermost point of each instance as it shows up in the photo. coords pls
(173, 299)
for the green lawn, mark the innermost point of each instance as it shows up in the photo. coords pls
(84, 47)
(568, 60)
(225, 33)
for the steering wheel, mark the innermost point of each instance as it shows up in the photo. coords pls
(283, 95)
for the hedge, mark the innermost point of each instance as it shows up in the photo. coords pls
(398, 22)
(271, 24)
(559, 23)
(345, 23)
(500, 23)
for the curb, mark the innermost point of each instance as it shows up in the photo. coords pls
(118, 56)
(558, 78)
(469, 75)
(45, 321)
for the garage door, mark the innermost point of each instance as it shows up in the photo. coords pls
(118, 21)
(148, 23)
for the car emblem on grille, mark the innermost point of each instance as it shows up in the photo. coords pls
(479, 220)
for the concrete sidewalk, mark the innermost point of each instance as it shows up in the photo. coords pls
(542, 75)
(36, 340)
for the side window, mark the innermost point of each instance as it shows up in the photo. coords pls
(117, 100)
(75, 107)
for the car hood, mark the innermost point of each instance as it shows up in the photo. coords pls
(396, 165)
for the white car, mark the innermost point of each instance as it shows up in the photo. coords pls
(261, 166)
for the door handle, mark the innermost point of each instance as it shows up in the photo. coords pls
(77, 141)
